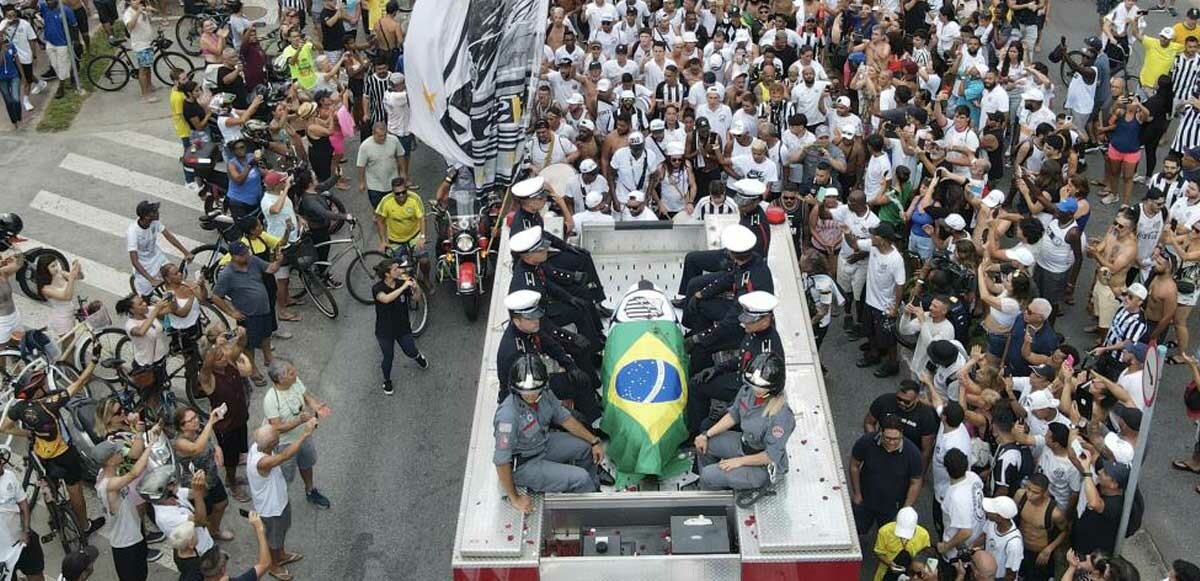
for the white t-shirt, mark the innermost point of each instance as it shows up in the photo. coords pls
(167, 517)
(395, 103)
(822, 288)
(720, 120)
(229, 133)
(860, 226)
(956, 438)
(613, 70)
(123, 525)
(954, 138)
(807, 100)
(947, 33)
(142, 35)
(1008, 548)
(554, 151)
(1064, 478)
(268, 492)
(884, 273)
(579, 189)
(995, 100)
(276, 224)
(842, 123)
(766, 172)
(145, 242)
(20, 35)
(879, 171)
(962, 509)
(1121, 17)
(646, 216)
(11, 495)
(1184, 212)
(151, 346)
(631, 174)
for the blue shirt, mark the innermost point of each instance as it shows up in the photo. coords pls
(249, 192)
(1045, 341)
(55, 33)
(8, 68)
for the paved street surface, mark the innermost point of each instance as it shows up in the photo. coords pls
(392, 465)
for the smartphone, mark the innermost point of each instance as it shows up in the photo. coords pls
(245, 513)
(1068, 119)
(1070, 361)
(1077, 447)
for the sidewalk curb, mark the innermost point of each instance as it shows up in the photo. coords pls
(1141, 550)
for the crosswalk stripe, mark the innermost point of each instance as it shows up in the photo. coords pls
(136, 140)
(97, 219)
(119, 176)
(96, 275)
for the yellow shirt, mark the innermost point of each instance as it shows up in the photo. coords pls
(258, 245)
(889, 545)
(1182, 33)
(403, 221)
(182, 129)
(1158, 60)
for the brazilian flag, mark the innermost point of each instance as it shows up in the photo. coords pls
(645, 393)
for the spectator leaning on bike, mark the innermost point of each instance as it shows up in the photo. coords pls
(240, 292)
(34, 414)
(15, 532)
(149, 339)
(400, 221)
(141, 241)
(287, 406)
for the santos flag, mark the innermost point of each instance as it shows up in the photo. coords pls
(468, 67)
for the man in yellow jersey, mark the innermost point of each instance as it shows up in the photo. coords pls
(400, 220)
(1188, 28)
(182, 129)
(300, 59)
(1160, 53)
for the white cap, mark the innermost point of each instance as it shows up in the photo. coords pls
(587, 124)
(750, 187)
(603, 85)
(575, 99)
(1000, 505)
(738, 128)
(689, 36)
(529, 188)
(738, 238)
(955, 222)
(627, 94)
(1167, 33)
(657, 125)
(1020, 254)
(993, 199)
(528, 240)
(843, 101)
(1121, 450)
(524, 302)
(758, 303)
(674, 148)
(636, 138)
(849, 132)
(636, 196)
(742, 35)
(593, 199)
(1033, 94)
(1041, 399)
(715, 61)
(713, 90)
(1138, 290)
(588, 166)
(906, 523)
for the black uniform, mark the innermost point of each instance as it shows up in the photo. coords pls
(714, 315)
(573, 383)
(562, 293)
(568, 258)
(725, 384)
(698, 262)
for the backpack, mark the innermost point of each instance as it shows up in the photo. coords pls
(1049, 517)
(1024, 472)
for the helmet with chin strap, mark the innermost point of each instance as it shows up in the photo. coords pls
(528, 375)
(765, 371)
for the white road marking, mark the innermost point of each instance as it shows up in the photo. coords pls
(98, 219)
(136, 140)
(96, 275)
(114, 174)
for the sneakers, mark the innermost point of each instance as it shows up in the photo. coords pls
(1109, 199)
(282, 335)
(193, 187)
(315, 497)
(39, 87)
(28, 105)
(153, 537)
(422, 362)
(388, 389)
(153, 554)
(1139, 179)
(94, 525)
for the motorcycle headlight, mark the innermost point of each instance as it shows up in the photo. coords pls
(464, 242)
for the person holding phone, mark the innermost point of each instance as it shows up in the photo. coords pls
(196, 449)
(223, 381)
(287, 406)
(123, 529)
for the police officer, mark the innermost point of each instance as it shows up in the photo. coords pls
(722, 381)
(526, 335)
(748, 194)
(711, 311)
(528, 454)
(561, 290)
(530, 197)
(756, 455)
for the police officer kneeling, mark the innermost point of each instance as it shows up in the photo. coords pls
(561, 290)
(757, 455)
(747, 193)
(722, 381)
(711, 309)
(530, 455)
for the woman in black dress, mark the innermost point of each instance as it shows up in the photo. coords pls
(320, 149)
(392, 295)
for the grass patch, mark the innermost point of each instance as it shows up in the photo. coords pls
(60, 113)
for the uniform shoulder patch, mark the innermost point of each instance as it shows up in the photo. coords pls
(504, 427)
(777, 431)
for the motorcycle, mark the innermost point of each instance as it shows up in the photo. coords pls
(464, 229)
(204, 159)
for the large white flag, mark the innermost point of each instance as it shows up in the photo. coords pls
(468, 68)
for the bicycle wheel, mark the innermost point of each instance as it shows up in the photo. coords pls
(211, 315)
(319, 293)
(110, 339)
(206, 258)
(166, 62)
(108, 73)
(187, 34)
(360, 275)
(25, 276)
(11, 366)
(418, 310)
(62, 518)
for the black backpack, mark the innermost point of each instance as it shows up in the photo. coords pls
(1024, 472)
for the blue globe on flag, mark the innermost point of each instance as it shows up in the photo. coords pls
(649, 381)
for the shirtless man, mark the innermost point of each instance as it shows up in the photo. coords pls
(1161, 304)
(388, 32)
(616, 140)
(1114, 256)
(554, 32)
(586, 142)
(1035, 510)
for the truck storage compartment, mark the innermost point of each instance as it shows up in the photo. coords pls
(620, 528)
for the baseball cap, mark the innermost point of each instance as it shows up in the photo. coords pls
(843, 101)
(1041, 400)
(1137, 290)
(1130, 415)
(1033, 94)
(1193, 13)
(239, 248)
(885, 230)
(274, 178)
(603, 85)
(1121, 450)
(1167, 32)
(636, 138)
(146, 207)
(849, 132)
(1020, 254)
(1139, 351)
(105, 450)
(586, 124)
(906, 523)
(658, 125)
(212, 561)
(575, 99)
(593, 199)
(588, 166)
(955, 222)
(1044, 370)
(636, 196)
(1117, 471)
(738, 128)
(77, 563)
(993, 199)
(1068, 205)
(1000, 505)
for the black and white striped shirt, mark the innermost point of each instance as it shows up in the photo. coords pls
(374, 88)
(1184, 73)
(1126, 326)
(706, 206)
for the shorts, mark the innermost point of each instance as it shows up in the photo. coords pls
(106, 12)
(921, 245)
(276, 527)
(32, 561)
(1051, 286)
(1188, 300)
(305, 459)
(60, 61)
(233, 444)
(1029, 34)
(283, 273)
(215, 494)
(1105, 303)
(67, 466)
(995, 343)
(409, 143)
(852, 278)
(1114, 155)
(376, 196)
(258, 329)
(29, 76)
(8, 324)
(882, 338)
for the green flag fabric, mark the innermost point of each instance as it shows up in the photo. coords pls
(645, 393)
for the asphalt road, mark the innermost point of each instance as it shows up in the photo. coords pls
(393, 465)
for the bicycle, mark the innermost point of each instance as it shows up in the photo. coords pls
(1117, 59)
(136, 398)
(207, 257)
(58, 506)
(25, 276)
(112, 72)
